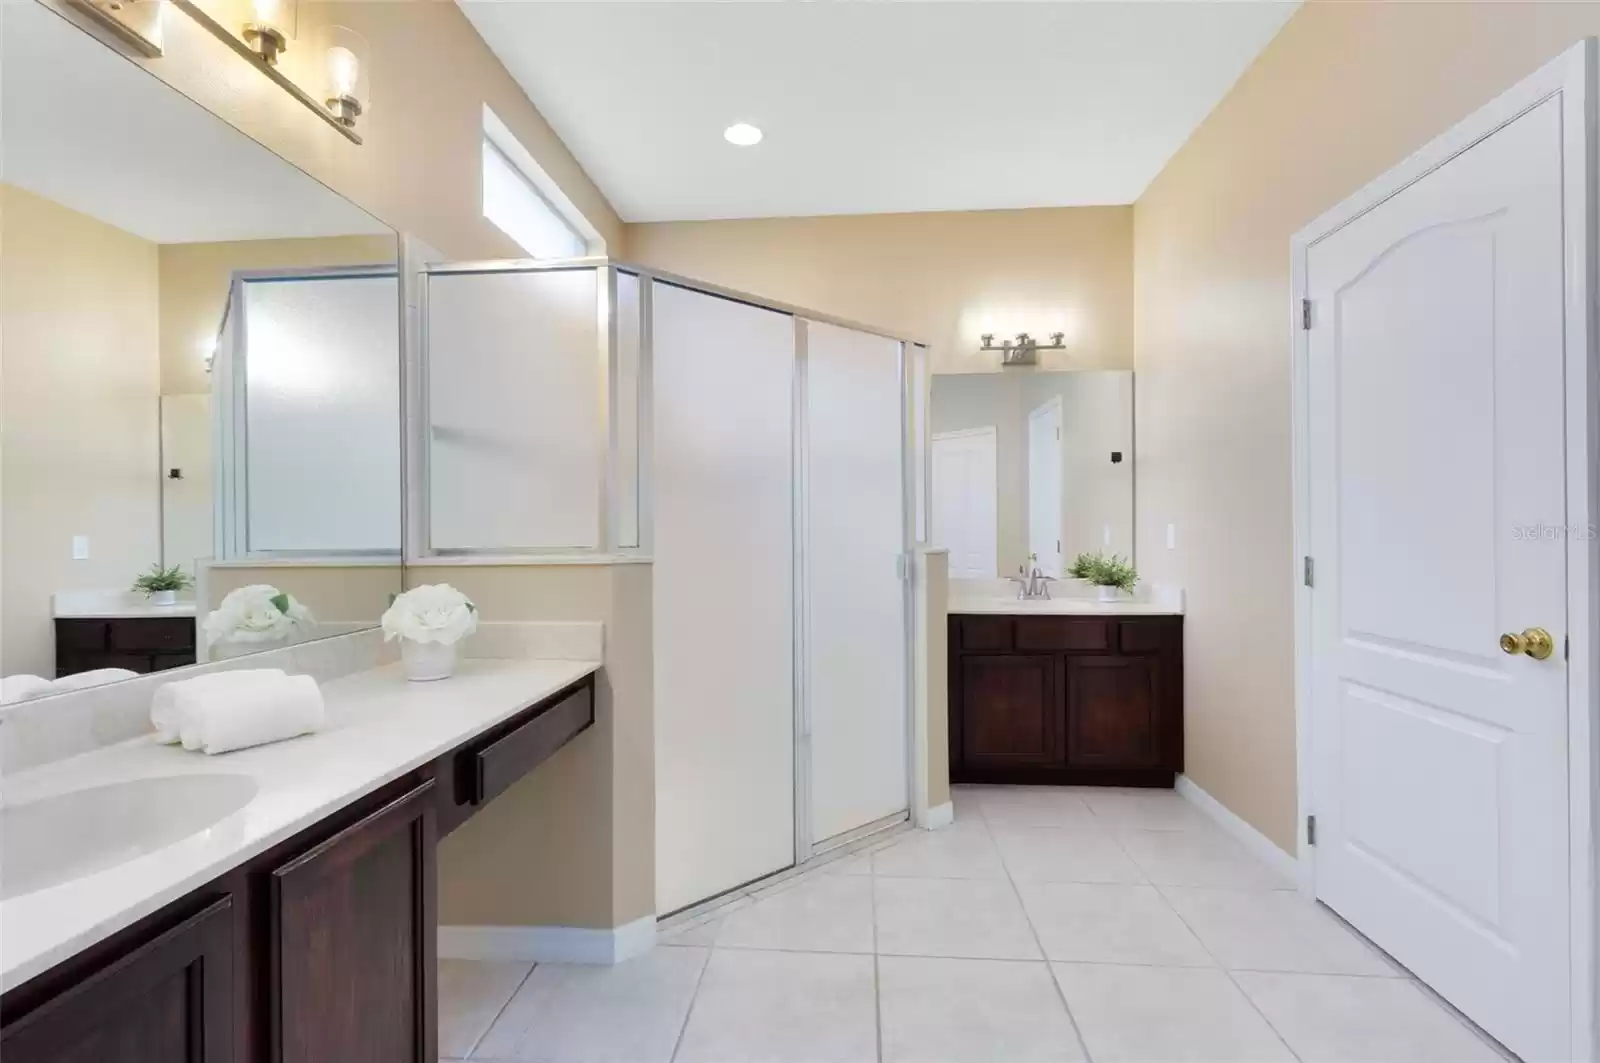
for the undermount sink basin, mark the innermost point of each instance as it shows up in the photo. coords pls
(57, 839)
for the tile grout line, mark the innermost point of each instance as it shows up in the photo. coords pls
(688, 1013)
(1049, 969)
(1229, 975)
(477, 1042)
(877, 982)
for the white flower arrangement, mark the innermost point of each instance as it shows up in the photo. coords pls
(257, 613)
(435, 612)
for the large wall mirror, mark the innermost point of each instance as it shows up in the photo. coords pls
(200, 379)
(1031, 464)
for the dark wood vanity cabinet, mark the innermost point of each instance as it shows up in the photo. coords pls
(323, 949)
(137, 643)
(352, 941)
(1066, 699)
(169, 999)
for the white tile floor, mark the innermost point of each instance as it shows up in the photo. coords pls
(1044, 925)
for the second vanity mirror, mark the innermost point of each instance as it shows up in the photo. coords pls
(1031, 463)
(201, 379)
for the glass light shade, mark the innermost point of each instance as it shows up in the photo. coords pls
(346, 73)
(270, 27)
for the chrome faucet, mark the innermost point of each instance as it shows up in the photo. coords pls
(1032, 584)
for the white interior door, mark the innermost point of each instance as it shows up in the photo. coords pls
(965, 504)
(1436, 453)
(1044, 487)
(856, 664)
(723, 406)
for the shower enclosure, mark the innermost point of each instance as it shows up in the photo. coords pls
(765, 459)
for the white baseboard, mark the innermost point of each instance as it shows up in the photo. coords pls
(940, 816)
(548, 944)
(1252, 839)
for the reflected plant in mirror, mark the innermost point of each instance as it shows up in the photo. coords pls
(1031, 468)
(201, 397)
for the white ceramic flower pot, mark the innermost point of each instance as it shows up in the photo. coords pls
(1109, 594)
(163, 597)
(425, 661)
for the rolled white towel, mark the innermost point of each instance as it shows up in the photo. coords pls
(22, 687)
(94, 678)
(269, 711)
(169, 699)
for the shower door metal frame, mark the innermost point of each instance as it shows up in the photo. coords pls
(610, 550)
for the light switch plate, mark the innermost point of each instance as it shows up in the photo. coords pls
(1172, 536)
(1105, 535)
(80, 548)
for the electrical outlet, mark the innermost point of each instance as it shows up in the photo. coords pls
(1172, 536)
(80, 548)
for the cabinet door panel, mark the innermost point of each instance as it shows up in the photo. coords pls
(353, 942)
(1010, 711)
(1113, 712)
(169, 1001)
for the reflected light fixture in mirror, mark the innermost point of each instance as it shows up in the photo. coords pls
(266, 32)
(345, 63)
(136, 23)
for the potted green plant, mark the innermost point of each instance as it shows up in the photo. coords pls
(161, 585)
(1112, 575)
(1082, 567)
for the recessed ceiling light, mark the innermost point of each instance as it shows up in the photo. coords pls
(742, 134)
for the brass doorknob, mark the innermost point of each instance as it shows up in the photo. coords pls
(1535, 642)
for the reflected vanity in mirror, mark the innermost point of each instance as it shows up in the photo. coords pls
(1031, 464)
(201, 380)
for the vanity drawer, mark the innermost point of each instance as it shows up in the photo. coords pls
(486, 771)
(81, 634)
(1087, 634)
(152, 635)
(985, 632)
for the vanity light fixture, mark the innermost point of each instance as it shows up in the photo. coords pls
(264, 33)
(135, 23)
(742, 134)
(345, 69)
(1024, 350)
(267, 36)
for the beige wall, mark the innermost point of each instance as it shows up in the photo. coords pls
(572, 844)
(1343, 93)
(80, 383)
(418, 170)
(943, 279)
(194, 291)
(934, 661)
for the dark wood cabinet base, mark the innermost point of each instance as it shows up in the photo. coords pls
(320, 950)
(1066, 700)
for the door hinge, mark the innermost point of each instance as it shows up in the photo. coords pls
(1309, 576)
(1311, 830)
(1305, 313)
(1058, 546)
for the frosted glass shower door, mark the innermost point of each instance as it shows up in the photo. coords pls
(321, 411)
(723, 484)
(515, 383)
(856, 664)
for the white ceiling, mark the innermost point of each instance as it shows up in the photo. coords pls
(83, 126)
(874, 107)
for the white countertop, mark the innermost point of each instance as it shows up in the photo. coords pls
(379, 728)
(132, 610)
(1061, 607)
(106, 605)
